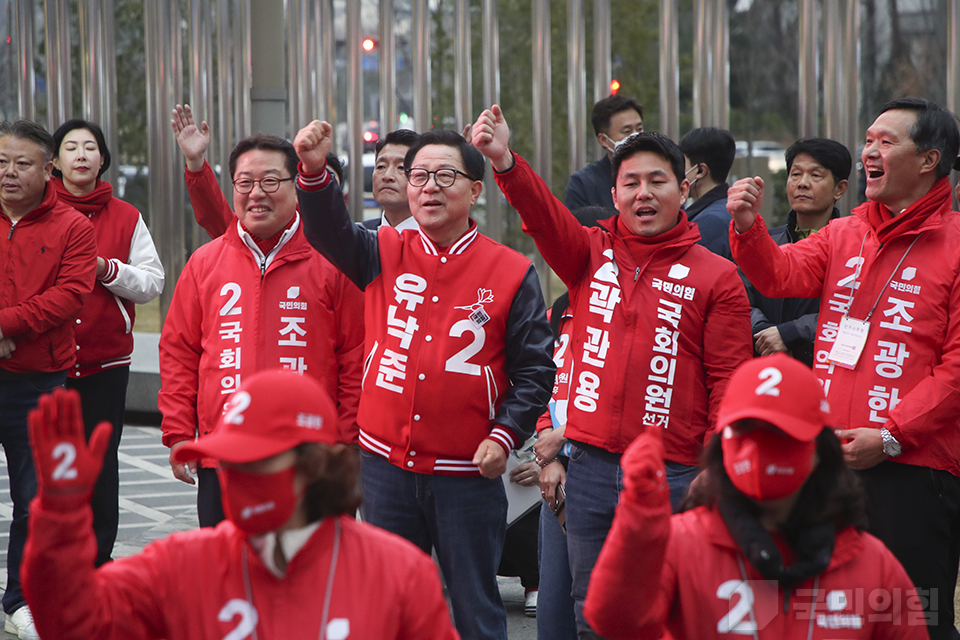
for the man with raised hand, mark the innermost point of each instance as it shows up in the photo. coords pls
(888, 345)
(458, 362)
(659, 324)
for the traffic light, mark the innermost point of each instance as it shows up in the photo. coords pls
(614, 86)
(369, 44)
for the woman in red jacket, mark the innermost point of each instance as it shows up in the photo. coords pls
(291, 561)
(128, 273)
(772, 545)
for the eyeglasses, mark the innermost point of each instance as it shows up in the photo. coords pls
(443, 177)
(269, 185)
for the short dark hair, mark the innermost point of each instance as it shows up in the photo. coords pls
(604, 111)
(830, 154)
(472, 159)
(92, 127)
(648, 141)
(711, 146)
(936, 128)
(265, 142)
(832, 493)
(333, 161)
(333, 479)
(29, 130)
(400, 137)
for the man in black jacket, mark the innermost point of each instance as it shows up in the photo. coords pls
(817, 173)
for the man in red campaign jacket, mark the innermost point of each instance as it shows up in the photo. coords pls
(291, 561)
(887, 348)
(660, 323)
(773, 546)
(256, 297)
(457, 367)
(48, 263)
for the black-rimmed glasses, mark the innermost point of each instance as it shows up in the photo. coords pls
(269, 185)
(443, 177)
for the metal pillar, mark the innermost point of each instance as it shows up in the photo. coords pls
(269, 100)
(807, 94)
(953, 64)
(242, 69)
(99, 72)
(421, 65)
(542, 119)
(840, 83)
(164, 82)
(462, 93)
(299, 68)
(669, 69)
(26, 77)
(576, 84)
(201, 85)
(602, 74)
(388, 70)
(720, 85)
(56, 14)
(355, 110)
(224, 124)
(703, 70)
(491, 96)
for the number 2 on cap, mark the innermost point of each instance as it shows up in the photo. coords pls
(771, 377)
(239, 403)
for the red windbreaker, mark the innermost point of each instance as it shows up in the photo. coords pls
(48, 263)
(653, 343)
(210, 584)
(686, 575)
(908, 377)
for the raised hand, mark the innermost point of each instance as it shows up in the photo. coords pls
(644, 474)
(491, 136)
(193, 140)
(67, 467)
(743, 202)
(313, 143)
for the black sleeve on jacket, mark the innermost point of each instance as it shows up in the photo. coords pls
(373, 224)
(529, 353)
(329, 229)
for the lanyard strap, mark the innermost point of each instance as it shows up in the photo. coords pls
(856, 276)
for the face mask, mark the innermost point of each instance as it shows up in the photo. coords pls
(765, 464)
(257, 503)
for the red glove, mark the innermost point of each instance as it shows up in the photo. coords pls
(644, 475)
(67, 468)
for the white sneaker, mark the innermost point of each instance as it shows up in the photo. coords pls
(530, 604)
(20, 624)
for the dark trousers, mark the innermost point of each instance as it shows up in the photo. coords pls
(103, 397)
(17, 398)
(519, 557)
(915, 511)
(209, 498)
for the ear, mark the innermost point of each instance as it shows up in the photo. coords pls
(929, 160)
(476, 188)
(839, 189)
(48, 171)
(684, 190)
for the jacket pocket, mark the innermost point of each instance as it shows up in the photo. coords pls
(492, 392)
(366, 365)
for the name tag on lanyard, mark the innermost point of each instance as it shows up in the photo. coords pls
(851, 340)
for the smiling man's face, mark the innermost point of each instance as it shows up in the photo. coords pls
(647, 194)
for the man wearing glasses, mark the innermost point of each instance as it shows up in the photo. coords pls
(256, 297)
(458, 362)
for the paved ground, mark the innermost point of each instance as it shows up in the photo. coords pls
(153, 504)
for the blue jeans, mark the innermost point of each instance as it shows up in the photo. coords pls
(463, 519)
(594, 483)
(555, 619)
(17, 398)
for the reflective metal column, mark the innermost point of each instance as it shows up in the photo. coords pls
(542, 102)
(56, 14)
(840, 83)
(953, 63)
(327, 102)
(26, 77)
(164, 87)
(201, 86)
(669, 69)
(388, 70)
(354, 111)
(491, 96)
(99, 72)
(576, 84)
(299, 66)
(602, 73)
(421, 65)
(807, 94)
(704, 31)
(720, 80)
(462, 94)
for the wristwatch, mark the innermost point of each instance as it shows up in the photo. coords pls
(890, 445)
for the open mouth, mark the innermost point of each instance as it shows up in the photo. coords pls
(645, 212)
(874, 172)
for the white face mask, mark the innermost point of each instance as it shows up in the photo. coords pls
(690, 199)
(614, 145)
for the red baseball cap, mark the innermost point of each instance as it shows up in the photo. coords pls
(271, 412)
(780, 390)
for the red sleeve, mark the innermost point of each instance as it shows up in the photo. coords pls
(180, 350)
(792, 271)
(425, 612)
(626, 598)
(63, 301)
(349, 357)
(70, 599)
(210, 207)
(561, 239)
(727, 338)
